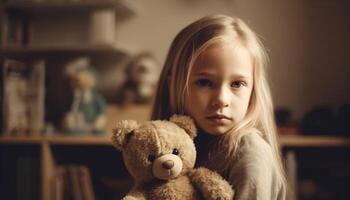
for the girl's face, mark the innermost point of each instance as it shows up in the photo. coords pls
(220, 86)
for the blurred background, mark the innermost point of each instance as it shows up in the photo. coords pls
(71, 68)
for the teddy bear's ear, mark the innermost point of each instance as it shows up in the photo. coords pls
(123, 132)
(186, 123)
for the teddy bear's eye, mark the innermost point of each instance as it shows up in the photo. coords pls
(151, 158)
(176, 151)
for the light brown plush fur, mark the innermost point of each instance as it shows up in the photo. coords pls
(160, 156)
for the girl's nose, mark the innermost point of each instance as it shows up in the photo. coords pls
(220, 98)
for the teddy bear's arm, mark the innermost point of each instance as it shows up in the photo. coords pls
(135, 194)
(211, 185)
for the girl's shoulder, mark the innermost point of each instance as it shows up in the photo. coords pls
(253, 136)
(254, 168)
(254, 146)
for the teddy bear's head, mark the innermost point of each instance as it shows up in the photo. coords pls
(156, 149)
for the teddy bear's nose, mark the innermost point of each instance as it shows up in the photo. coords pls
(168, 164)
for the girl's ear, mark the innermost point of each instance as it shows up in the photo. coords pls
(186, 123)
(123, 132)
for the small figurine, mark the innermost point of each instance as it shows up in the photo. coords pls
(86, 112)
(142, 74)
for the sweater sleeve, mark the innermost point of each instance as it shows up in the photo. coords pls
(253, 173)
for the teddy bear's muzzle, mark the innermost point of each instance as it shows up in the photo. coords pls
(167, 166)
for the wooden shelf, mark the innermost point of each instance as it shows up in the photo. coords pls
(123, 7)
(285, 141)
(290, 136)
(102, 49)
(80, 140)
(20, 140)
(41, 16)
(58, 140)
(115, 113)
(313, 141)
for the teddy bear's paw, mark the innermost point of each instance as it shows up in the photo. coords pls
(224, 191)
(211, 184)
(219, 194)
(135, 195)
(130, 198)
(222, 196)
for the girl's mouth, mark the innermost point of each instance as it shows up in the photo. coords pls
(218, 119)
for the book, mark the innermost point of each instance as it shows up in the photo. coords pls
(15, 97)
(2, 106)
(72, 182)
(37, 100)
(23, 97)
(20, 175)
(86, 183)
(3, 26)
(26, 177)
(76, 186)
(15, 29)
(58, 184)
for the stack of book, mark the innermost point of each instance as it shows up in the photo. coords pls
(23, 97)
(20, 176)
(15, 30)
(72, 182)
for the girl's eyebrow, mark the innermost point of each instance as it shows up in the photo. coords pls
(209, 74)
(203, 73)
(239, 76)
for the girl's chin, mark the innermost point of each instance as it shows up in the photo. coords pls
(216, 131)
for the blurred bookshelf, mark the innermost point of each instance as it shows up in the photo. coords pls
(57, 150)
(33, 166)
(26, 26)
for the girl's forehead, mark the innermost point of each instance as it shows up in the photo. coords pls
(226, 58)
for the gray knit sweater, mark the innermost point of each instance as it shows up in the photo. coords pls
(253, 172)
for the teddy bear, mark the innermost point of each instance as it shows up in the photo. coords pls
(160, 156)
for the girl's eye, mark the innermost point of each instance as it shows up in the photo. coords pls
(237, 84)
(176, 151)
(151, 158)
(204, 83)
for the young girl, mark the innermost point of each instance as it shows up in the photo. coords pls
(215, 73)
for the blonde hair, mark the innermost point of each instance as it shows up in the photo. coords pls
(185, 49)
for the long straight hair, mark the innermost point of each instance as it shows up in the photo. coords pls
(186, 48)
